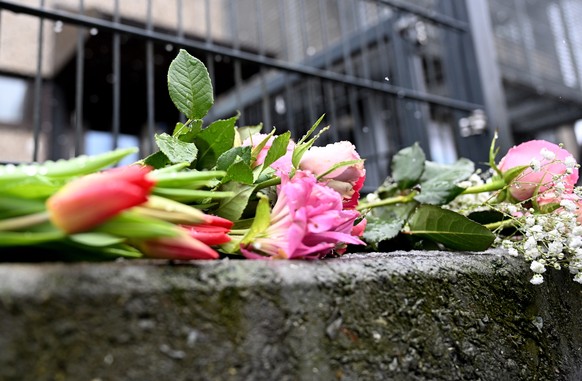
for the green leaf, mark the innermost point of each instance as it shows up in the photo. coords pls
(96, 239)
(215, 140)
(451, 229)
(176, 150)
(242, 133)
(408, 165)
(384, 223)
(438, 184)
(239, 171)
(229, 157)
(513, 173)
(311, 130)
(28, 238)
(13, 206)
(493, 151)
(258, 146)
(261, 221)
(233, 207)
(157, 160)
(187, 133)
(38, 187)
(189, 86)
(62, 169)
(302, 145)
(278, 149)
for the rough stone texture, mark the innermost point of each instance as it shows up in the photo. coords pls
(399, 316)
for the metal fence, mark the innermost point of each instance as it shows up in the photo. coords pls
(539, 45)
(387, 73)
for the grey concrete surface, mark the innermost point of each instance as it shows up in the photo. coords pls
(395, 316)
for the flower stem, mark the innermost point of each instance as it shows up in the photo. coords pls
(268, 183)
(240, 232)
(388, 201)
(500, 224)
(488, 187)
(22, 222)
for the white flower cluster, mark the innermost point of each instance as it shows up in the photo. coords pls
(472, 202)
(549, 240)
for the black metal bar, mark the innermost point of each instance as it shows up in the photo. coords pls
(0, 26)
(209, 56)
(369, 124)
(36, 113)
(348, 65)
(290, 67)
(363, 43)
(180, 18)
(522, 20)
(310, 99)
(79, 85)
(328, 86)
(410, 116)
(265, 102)
(289, 112)
(150, 83)
(382, 45)
(180, 35)
(433, 16)
(233, 21)
(479, 50)
(115, 118)
(569, 43)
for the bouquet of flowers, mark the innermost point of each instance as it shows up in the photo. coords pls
(223, 190)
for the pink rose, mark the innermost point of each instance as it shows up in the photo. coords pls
(346, 180)
(282, 164)
(307, 221)
(548, 160)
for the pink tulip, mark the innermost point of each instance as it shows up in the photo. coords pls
(347, 180)
(181, 247)
(552, 161)
(210, 235)
(283, 164)
(307, 221)
(93, 199)
(213, 232)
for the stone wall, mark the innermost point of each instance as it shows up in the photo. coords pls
(398, 316)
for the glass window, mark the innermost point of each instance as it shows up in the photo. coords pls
(12, 99)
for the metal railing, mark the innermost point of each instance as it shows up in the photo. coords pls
(385, 72)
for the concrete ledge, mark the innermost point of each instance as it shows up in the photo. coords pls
(400, 316)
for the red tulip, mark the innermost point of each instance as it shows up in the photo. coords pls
(208, 234)
(93, 199)
(181, 247)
